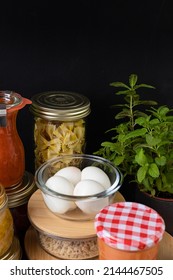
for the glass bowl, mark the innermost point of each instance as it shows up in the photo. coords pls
(85, 196)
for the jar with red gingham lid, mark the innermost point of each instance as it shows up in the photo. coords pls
(128, 230)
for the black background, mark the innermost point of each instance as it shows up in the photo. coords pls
(82, 46)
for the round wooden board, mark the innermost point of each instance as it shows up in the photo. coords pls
(44, 221)
(35, 252)
(33, 249)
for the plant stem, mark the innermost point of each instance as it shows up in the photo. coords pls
(131, 112)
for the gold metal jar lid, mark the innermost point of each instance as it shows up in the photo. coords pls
(14, 252)
(20, 193)
(60, 105)
(3, 198)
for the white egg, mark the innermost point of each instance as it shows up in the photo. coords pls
(90, 187)
(96, 174)
(63, 186)
(60, 184)
(71, 173)
(57, 205)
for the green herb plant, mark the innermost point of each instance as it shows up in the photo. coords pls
(142, 144)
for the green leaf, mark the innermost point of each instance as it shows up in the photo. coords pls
(169, 119)
(123, 114)
(153, 192)
(144, 85)
(133, 80)
(141, 173)
(113, 147)
(141, 158)
(118, 160)
(164, 179)
(169, 177)
(153, 170)
(152, 141)
(159, 184)
(163, 110)
(141, 121)
(119, 84)
(136, 133)
(145, 183)
(154, 122)
(160, 160)
(122, 92)
(108, 144)
(148, 102)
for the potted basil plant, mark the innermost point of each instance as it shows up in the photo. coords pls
(142, 146)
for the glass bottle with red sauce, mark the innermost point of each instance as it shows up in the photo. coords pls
(12, 154)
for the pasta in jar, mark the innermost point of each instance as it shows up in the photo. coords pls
(60, 124)
(58, 138)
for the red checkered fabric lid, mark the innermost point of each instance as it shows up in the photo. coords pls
(129, 226)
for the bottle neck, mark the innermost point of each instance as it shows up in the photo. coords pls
(9, 123)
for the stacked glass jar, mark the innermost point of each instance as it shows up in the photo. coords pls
(17, 183)
(9, 244)
(60, 124)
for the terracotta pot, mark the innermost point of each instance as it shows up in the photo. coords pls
(163, 206)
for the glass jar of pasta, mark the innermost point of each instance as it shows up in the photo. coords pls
(59, 124)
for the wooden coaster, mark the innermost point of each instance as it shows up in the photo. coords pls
(45, 221)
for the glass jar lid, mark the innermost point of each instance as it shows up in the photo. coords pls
(60, 105)
(10, 98)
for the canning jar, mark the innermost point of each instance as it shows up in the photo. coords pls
(14, 252)
(18, 197)
(6, 223)
(128, 231)
(12, 155)
(64, 239)
(69, 248)
(60, 124)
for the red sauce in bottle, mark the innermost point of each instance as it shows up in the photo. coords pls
(12, 155)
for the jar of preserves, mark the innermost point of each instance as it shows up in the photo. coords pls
(6, 223)
(12, 155)
(129, 231)
(60, 124)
